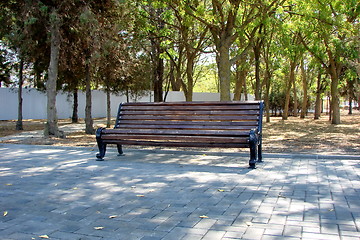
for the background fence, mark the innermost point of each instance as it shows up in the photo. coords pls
(34, 103)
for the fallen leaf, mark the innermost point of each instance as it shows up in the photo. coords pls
(5, 213)
(98, 228)
(113, 216)
(221, 190)
(75, 188)
(44, 236)
(140, 195)
(8, 184)
(203, 216)
(331, 210)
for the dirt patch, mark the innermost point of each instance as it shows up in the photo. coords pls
(294, 135)
(313, 136)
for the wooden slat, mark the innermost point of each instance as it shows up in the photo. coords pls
(190, 108)
(187, 118)
(184, 127)
(202, 112)
(177, 138)
(178, 144)
(196, 123)
(176, 132)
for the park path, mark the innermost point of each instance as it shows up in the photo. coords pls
(63, 193)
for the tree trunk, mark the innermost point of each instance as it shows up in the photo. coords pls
(108, 108)
(245, 91)
(350, 105)
(305, 88)
(190, 78)
(288, 90)
(267, 93)
(158, 80)
(295, 98)
(174, 77)
(334, 69)
(19, 123)
(241, 74)
(75, 116)
(335, 101)
(89, 129)
(257, 49)
(51, 128)
(318, 98)
(224, 73)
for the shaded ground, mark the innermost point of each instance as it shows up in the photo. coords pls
(292, 136)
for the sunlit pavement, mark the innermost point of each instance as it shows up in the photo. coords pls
(63, 193)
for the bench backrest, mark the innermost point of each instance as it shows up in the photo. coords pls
(191, 116)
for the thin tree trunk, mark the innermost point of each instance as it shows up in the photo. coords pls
(257, 49)
(295, 97)
(239, 81)
(190, 78)
(267, 94)
(335, 101)
(89, 129)
(75, 116)
(350, 105)
(159, 79)
(318, 98)
(108, 108)
(305, 88)
(245, 91)
(19, 123)
(288, 90)
(51, 128)
(224, 73)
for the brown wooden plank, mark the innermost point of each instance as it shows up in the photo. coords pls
(189, 108)
(196, 123)
(177, 138)
(186, 118)
(142, 125)
(201, 112)
(178, 144)
(176, 132)
(193, 103)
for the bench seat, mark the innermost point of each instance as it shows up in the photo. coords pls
(187, 124)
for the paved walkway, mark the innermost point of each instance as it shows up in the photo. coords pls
(63, 193)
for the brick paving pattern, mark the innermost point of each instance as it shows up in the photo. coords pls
(63, 193)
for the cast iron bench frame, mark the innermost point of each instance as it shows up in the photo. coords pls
(235, 124)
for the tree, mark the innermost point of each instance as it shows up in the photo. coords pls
(227, 21)
(192, 41)
(325, 34)
(51, 128)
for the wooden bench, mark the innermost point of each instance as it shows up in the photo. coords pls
(187, 124)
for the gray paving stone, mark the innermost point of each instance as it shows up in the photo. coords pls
(159, 194)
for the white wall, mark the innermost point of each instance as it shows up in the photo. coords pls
(34, 103)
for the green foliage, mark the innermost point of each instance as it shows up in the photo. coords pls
(124, 40)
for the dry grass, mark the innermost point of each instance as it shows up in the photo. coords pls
(292, 136)
(313, 136)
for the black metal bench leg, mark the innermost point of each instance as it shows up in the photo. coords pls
(252, 161)
(120, 151)
(101, 145)
(260, 153)
(253, 150)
